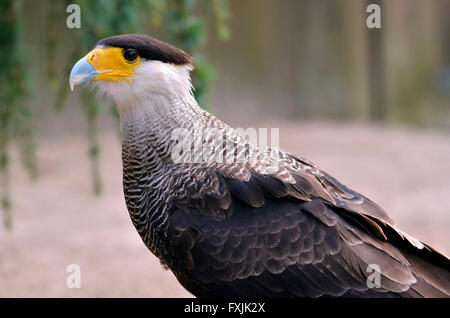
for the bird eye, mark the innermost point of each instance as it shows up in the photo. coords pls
(130, 55)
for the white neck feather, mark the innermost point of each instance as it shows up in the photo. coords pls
(157, 97)
(154, 84)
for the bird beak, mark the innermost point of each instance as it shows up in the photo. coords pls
(82, 72)
(102, 64)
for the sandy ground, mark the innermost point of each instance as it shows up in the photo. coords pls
(59, 222)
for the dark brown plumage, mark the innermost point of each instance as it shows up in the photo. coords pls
(290, 247)
(148, 48)
(226, 230)
(233, 229)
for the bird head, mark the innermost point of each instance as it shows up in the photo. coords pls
(132, 66)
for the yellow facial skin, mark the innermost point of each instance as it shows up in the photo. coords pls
(111, 65)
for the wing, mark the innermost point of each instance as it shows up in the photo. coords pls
(263, 236)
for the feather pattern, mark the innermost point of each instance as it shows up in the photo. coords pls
(240, 228)
(226, 229)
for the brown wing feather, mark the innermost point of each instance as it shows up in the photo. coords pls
(272, 239)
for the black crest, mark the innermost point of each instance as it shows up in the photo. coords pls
(148, 48)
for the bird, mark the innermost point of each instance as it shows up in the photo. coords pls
(270, 226)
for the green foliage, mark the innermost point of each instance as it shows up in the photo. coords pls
(203, 74)
(188, 32)
(414, 84)
(15, 117)
(222, 14)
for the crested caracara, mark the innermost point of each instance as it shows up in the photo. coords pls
(274, 225)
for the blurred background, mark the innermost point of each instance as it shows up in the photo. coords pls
(369, 106)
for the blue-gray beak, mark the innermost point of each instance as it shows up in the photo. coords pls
(82, 72)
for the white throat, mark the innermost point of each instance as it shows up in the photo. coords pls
(154, 85)
(155, 100)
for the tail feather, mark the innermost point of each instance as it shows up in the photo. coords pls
(430, 267)
(432, 281)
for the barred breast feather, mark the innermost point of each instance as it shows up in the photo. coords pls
(231, 230)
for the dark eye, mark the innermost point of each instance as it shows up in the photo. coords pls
(130, 55)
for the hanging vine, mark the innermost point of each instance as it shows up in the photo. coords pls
(15, 117)
(188, 30)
